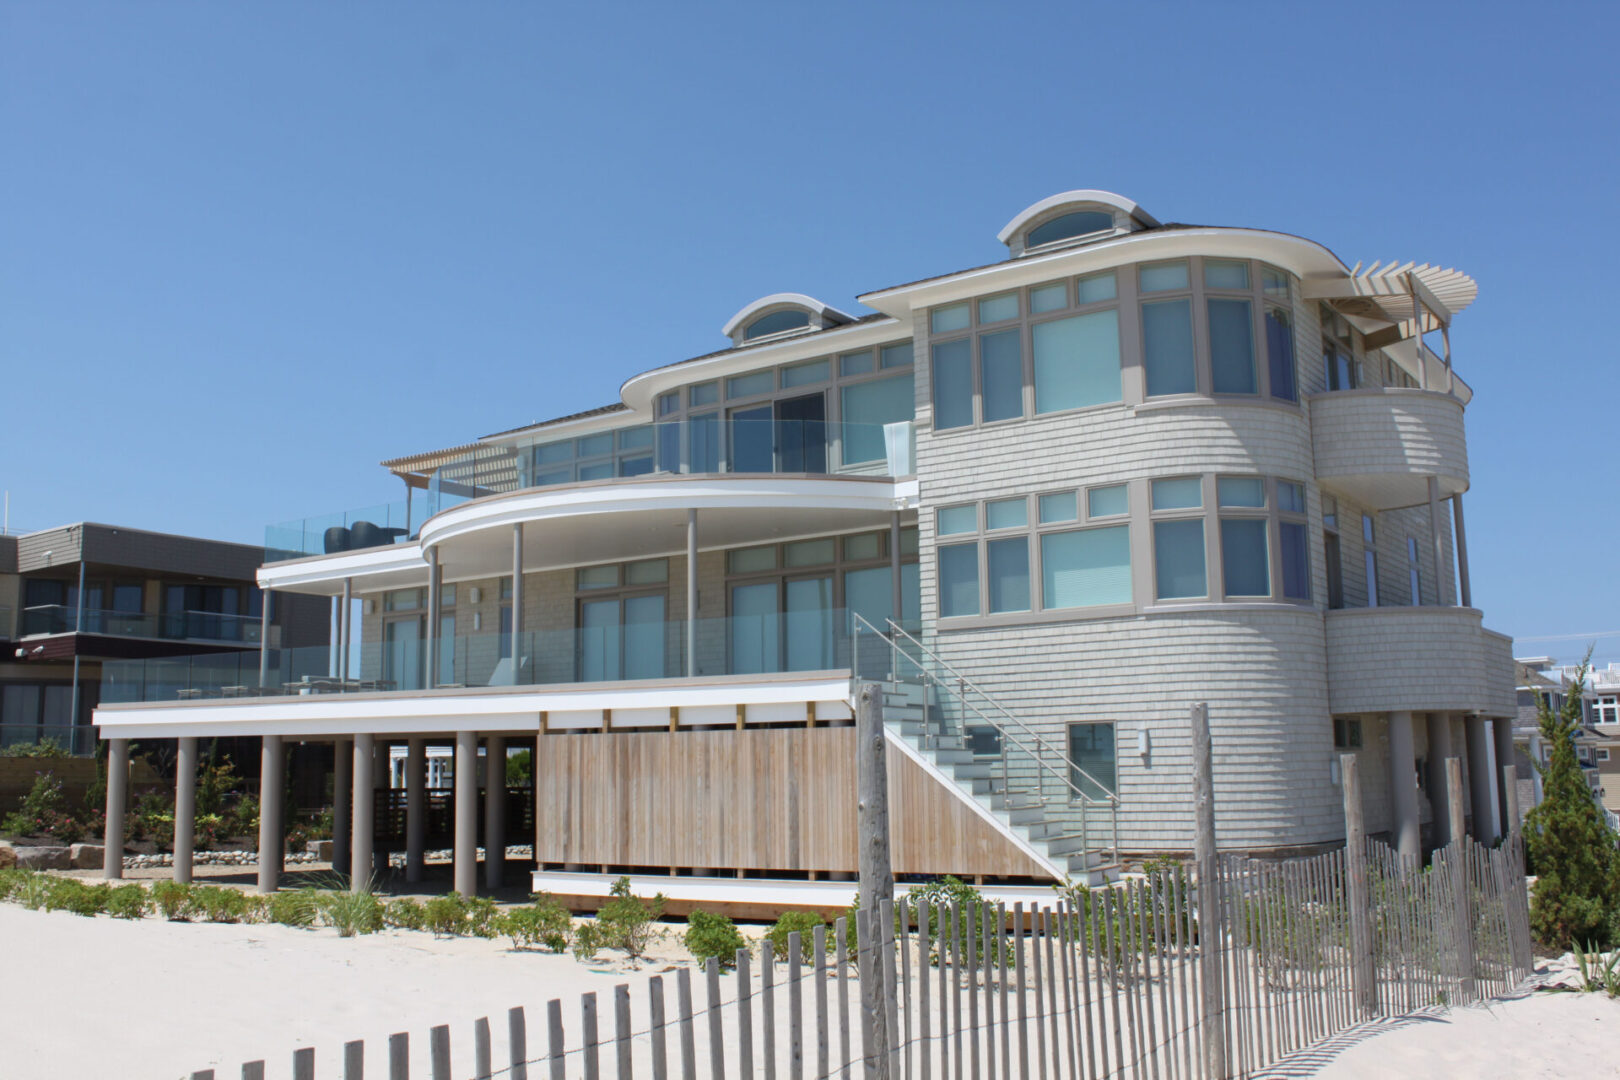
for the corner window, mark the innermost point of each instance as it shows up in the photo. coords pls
(1167, 348)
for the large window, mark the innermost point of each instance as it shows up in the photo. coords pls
(1259, 525)
(785, 599)
(1061, 339)
(1057, 557)
(1092, 759)
(621, 629)
(1241, 306)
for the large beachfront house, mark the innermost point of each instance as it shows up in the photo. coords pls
(1049, 503)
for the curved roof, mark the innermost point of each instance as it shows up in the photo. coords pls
(1068, 198)
(784, 299)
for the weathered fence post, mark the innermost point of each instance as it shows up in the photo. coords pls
(876, 871)
(1461, 882)
(1359, 895)
(1212, 1024)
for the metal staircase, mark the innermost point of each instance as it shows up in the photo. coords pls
(1023, 777)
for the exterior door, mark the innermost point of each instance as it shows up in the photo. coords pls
(801, 434)
(755, 638)
(402, 653)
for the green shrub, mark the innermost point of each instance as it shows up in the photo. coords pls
(128, 902)
(70, 894)
(446, 914)
(218, 903)
(352, 913)
(545, 923)
(44, 748)
(43, 812)
(483, 917)
(32, 890)
(173, 899)
(709, 934)
(588, 940)
(294, 907)
(627, 922)
(805, 922)
(11, 880)
(404, 913)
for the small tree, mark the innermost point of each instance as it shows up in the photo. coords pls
(1570, 846)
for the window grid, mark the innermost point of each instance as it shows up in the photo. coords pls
(1031, 313)
(1032, 532)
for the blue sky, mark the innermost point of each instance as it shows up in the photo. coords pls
(248, 251)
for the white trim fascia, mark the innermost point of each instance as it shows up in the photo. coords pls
(784, 892)
(638, 391)
(314, 569)
(1304, 258)
(722, 492)
(503, 708)
(989, 816)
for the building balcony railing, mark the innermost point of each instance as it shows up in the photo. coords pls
(77, 740)
(701, 446)
(1417, 659)
(47, 619)
(1379, 446)
(813, 640)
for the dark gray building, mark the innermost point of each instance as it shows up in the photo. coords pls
(74, 596)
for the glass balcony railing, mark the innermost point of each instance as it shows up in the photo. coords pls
(817, 640)
(346, 530)
(695, 446)
(168, 626)
(77, 740)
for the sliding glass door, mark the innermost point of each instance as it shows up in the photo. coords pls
(621, 638)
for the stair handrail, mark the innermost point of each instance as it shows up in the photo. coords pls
(1044, 746)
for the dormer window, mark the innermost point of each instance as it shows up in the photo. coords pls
(1073, 217)
(1069, 226)
(777, 322)
(781, 315)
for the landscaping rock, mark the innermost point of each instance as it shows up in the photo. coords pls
(8, 855)
(87, 856)
(142, 847)
(44, 858)
(321, 849)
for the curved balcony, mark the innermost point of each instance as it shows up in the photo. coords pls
(605, 521)
(1417, 659)
(1378, 447)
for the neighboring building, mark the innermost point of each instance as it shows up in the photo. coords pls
(1129, 468)
(1541, 681)
(74, 597)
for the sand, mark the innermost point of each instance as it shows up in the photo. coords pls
(102, 997)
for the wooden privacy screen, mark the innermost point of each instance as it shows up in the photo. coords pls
(759, 800)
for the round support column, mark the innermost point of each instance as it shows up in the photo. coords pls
(185, 807)
(1403, 786)
(494, 811)
(1481, 774)
(1502, 736)
(342, 770)
(364, 816)
(272, 781)
(112, 863)
(1440, 749)
(415, 809)
(465, 878)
